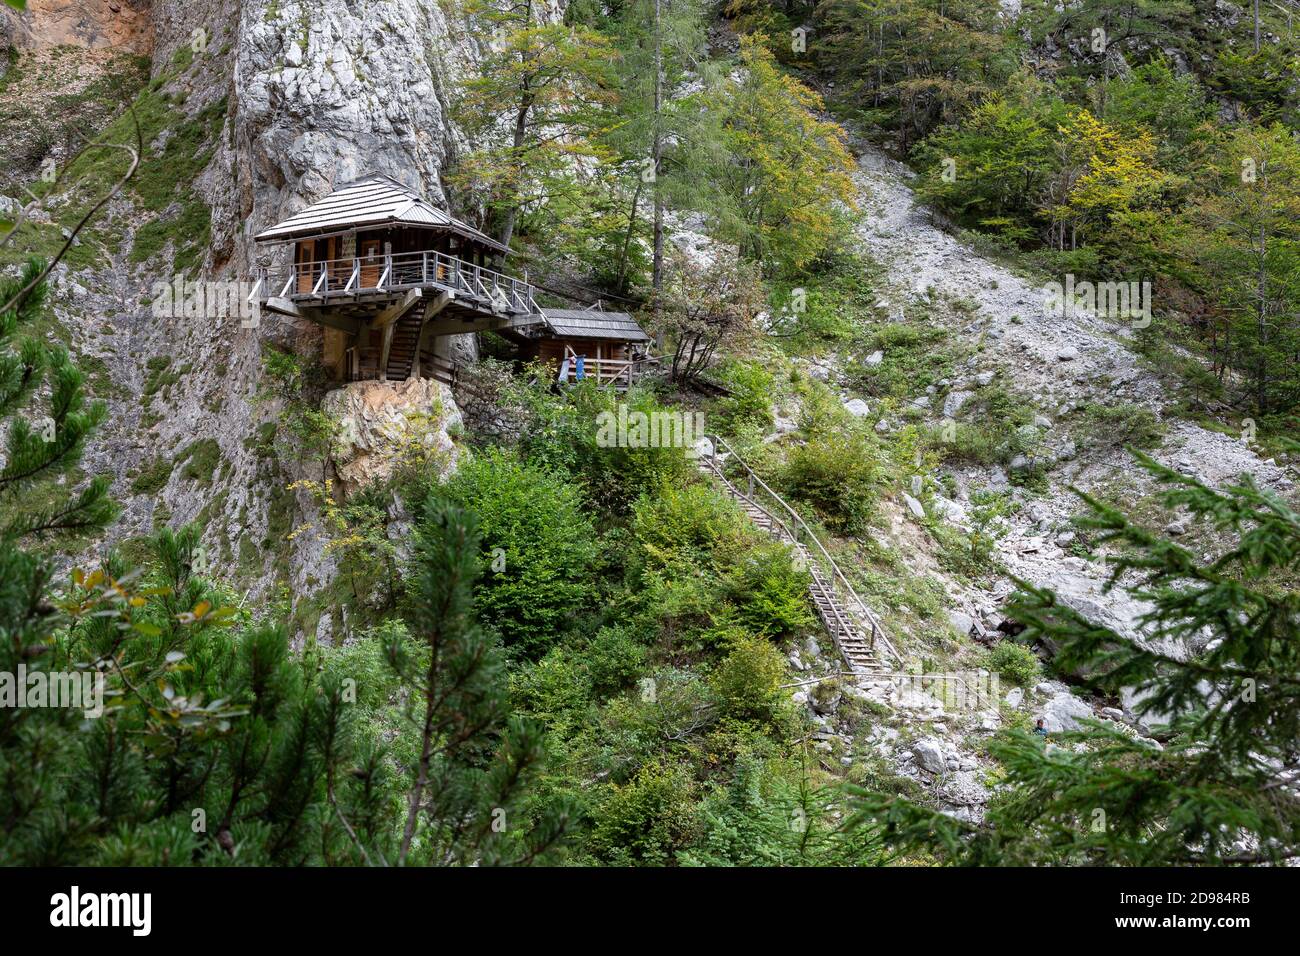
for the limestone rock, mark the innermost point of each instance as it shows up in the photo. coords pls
(1063, 712)
(929, 755)
(381, 421)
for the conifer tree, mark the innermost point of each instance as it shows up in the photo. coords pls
(473, 764)
(1220, 786)
(46, 419)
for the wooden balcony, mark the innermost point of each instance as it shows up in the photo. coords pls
(345, 293)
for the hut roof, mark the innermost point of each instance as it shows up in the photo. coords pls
(593, 324)
(372, 201)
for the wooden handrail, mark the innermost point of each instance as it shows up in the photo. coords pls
(407, 269)
(877, 631)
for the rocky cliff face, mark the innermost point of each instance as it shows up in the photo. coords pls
(272, 103)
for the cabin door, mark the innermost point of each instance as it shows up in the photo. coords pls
(371, 263)
(306, 274)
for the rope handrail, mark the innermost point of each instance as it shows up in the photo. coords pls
(877, 630)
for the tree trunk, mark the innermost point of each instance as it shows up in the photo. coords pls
(657, 157)
(627, 236)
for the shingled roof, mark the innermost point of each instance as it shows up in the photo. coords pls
(592, 324)
(372, 201)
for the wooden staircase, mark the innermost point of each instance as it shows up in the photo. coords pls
(854, 629)
(406, 339)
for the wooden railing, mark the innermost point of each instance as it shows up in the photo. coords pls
(337, 278)
(753, 489)
(620, 374)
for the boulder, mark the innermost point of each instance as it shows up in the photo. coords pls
(1063, 712)
(962, 622)
(929, 755)
(857, 408)
(954, 402)
(379, 423)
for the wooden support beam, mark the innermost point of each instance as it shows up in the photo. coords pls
(319, 316)
(384, 348)
(437, 305)
(390, 315)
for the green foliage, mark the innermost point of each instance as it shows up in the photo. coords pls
(471, 772)
(645, 821)
(779, 168)
(214, 747)
(152, 476)
(912, 64)
(615, 657)
(748, 680)
(1245, 237)
(301, 430)
(200, 459)
(838, 472)
(988, 170)
(564, 433)
(826, 305)
(177, 148)
(538, 543)
(1120, 425)
(706, 575)
(749, 403)
(767, 816)
(914, 356)
(1015, 663)
(45, 435)
(553, 83)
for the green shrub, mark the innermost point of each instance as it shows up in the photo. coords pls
(152, 476)
(614, 659)
(750, 402)
(748, 681)
(539, 547)
(1122, 425)
(1014, 662)
(645, 821)
(556, 690)
(687, 540)
(201, 459)
(678, 529)
(770, 593)
(838, 473)
(564, 432)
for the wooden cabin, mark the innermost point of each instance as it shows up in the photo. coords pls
(387, 274)
(613, 346)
